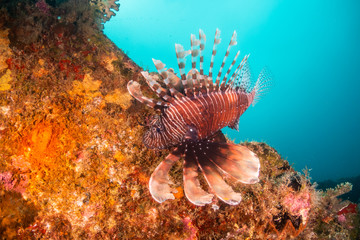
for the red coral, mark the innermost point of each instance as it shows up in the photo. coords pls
(64, 64)
(351, 208)
(345, 215)
(68, 67)
(13, 64)
(36, 228)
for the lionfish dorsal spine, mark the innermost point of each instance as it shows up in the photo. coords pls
(233, 78)
(134, 89)
(181, 55)
(167, 75)
(217, 41)
(155, 86)
(202, 38)
(203, 80)
(232, 43)
(223, 82)
(195, 46)
(160, 67)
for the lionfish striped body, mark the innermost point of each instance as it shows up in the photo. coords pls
(193, 111)
(201, 114)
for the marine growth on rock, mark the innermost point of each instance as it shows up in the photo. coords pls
(73, 164)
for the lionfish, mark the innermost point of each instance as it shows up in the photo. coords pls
(193, 111)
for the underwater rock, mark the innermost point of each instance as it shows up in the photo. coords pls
(72, 161)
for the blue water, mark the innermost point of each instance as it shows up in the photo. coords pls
(311, 114)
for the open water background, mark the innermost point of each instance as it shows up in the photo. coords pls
(311, 114)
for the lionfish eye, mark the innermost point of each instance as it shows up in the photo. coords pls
(158, 130)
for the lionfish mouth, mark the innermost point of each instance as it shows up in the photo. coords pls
(154, 142)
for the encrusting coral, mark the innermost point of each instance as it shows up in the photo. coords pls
(72, 162)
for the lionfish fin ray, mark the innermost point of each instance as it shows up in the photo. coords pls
(223, 82)
(135, 91)
(217, 40)
(159, 180)
(216, 182)
(181, 58)
(171, 81)
(202, 78)
(193, 192)
(244, 79)
(155, 86)
(195, 51)
(237, 161)
(232, 43)
(235, 125)
(234, 80)
(262, 85)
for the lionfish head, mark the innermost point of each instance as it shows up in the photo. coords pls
(154, 136)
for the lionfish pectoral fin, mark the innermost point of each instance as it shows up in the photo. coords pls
(135, 91)
(218, 137)
(235, 125)
(219, 159)
(236, 160)
(192, 189)
(159, 180)
(216, 182)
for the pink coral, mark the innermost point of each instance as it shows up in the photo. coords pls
(189, 227)
(43, 7)
(341, 218)
(22, 185)
(298, 204)
(7, 181)
(11, 183)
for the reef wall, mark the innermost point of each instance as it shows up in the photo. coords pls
(72, 164)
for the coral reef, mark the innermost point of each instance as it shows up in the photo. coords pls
(353, 195)
(72, 162)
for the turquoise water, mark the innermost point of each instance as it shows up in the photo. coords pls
(311, 114)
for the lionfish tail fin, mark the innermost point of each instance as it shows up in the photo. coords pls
(262, 85)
